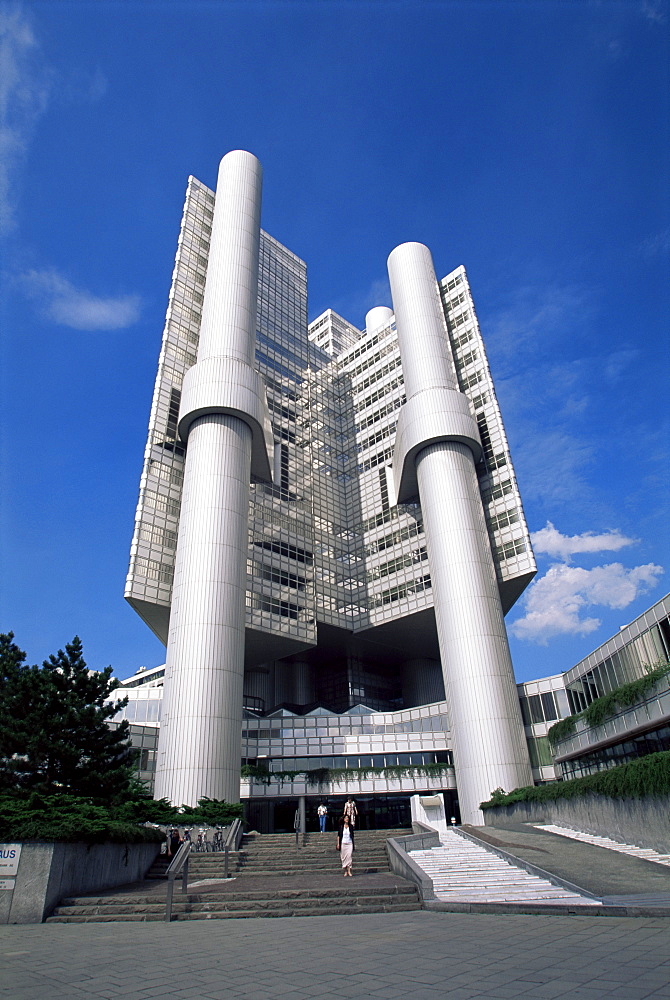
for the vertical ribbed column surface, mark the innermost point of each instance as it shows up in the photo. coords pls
(488, 737)
(199, 747)
(228, 325)
(422, 332)
(303, 684)
(199, 743)
(422, 682)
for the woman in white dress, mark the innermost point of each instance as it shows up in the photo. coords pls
(345, 844)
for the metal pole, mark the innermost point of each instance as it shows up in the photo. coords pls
(303, 819)
(226, 851)
(168, 902)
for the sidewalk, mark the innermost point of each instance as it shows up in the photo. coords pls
(414, 956)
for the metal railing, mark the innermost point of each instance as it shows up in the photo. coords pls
(178, 866)
(231, 843)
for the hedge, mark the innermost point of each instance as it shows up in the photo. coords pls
(67, 818)
(648, 775)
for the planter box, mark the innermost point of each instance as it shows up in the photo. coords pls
(36, 876)
(643, 822)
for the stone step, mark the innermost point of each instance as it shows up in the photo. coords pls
(321, 892)
(295, 902)
(301, 856)
(290, 911)
(294, 858)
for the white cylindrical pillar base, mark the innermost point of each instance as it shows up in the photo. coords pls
(488, 737)
(199, 744)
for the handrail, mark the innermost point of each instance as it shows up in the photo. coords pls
(234, 835)
(231, 842)
(178, 866)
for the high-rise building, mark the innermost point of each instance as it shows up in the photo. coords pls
(329, 525)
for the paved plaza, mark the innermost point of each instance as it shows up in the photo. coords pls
(417, 956)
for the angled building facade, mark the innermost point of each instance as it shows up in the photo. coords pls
(329, 526)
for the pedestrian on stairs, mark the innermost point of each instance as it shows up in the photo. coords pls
(351, 811)
(174, 842)
(322, 813)
(345, 844)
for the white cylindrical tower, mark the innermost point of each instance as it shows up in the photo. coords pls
(199, 744)
(379, 316)
(488, 738)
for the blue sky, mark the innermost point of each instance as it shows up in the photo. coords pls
(526, 140)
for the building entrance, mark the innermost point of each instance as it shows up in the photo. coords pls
(375, 812)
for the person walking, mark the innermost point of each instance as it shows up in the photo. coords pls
(345, 844)
(351, 811)
(322, 813)
(174, 842)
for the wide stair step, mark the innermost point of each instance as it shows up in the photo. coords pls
(91, 909)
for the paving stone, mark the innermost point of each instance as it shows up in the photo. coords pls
(380, 956)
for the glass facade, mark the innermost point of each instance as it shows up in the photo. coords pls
(631, 732)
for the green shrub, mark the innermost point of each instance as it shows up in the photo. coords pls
(209, 812)
(66, 817)
(561, 730)
(609, 704)
(321, 775)
(648, 775)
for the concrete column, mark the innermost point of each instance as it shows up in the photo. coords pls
(199, 744)
(422, 682)
(377, 317)
(301, 829)
(303, 683)
(259, 682)
(487, 731)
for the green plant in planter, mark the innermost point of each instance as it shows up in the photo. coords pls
(319, 776)
(561, 730)
(608, 705)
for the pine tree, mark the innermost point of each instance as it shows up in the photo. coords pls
(54, 735)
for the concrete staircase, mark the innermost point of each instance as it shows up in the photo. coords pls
(276, 855)
(464, 872)
(271, 878)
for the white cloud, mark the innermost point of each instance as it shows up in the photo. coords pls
(24, 94)
(80, 86)
(550, 462)
(618, 363)
(653, 11)
(379, 294)
(535, 316)
(66, 305)
(556, 602)
(658, 243)
(551, 542)
(27, 86)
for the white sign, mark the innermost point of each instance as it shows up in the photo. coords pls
(9, 859)
(6, 883)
